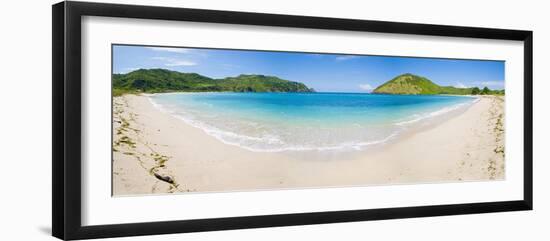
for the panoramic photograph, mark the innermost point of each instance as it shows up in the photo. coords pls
(193, 120)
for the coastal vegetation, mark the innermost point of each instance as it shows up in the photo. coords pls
(163, 80)
(410, 84)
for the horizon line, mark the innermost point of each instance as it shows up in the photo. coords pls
(408, 73)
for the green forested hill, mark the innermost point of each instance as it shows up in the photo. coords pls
(409, 84)
(261, 83)
(162, 80)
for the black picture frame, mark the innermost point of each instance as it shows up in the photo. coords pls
(66, 128)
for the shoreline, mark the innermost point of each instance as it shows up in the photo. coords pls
(420, 122)
(155, 152)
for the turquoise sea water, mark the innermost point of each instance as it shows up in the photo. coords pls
(306, 121)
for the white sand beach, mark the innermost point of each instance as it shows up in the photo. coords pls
(154, 152)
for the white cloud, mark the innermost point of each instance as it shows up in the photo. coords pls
(172, 50)
(173, 62)
(346, 57)
(481, 84)
(181, 63)
(366, 87)
(460, 85)
(499, 84)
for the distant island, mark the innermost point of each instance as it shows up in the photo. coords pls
(163, 80)
(410, 84)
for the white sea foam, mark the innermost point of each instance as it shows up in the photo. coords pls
(272, 141)
(266, 142)
(418, 117)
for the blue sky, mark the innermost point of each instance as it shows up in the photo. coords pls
(323, 72)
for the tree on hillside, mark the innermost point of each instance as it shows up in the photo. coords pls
(475, 91)
(485, 91)
(140, 84)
